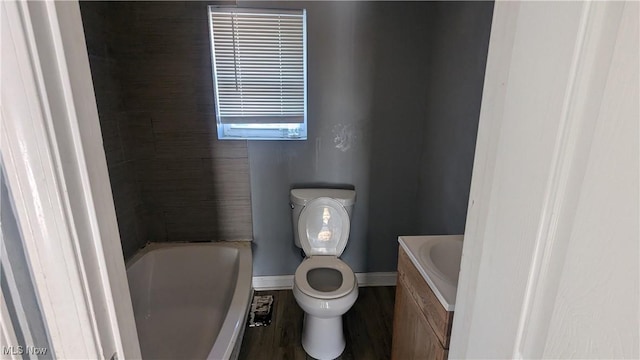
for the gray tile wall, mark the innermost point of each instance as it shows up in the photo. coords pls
(186, 185)
(101, 32)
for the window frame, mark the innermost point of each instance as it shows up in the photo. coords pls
(244, 130)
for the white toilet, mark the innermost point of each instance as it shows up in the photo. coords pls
(324, 286)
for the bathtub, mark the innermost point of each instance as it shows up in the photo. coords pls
(190, 300)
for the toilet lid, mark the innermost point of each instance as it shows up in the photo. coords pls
(323, 227)
(324, 277)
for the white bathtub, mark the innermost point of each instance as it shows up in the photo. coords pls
(190, 300)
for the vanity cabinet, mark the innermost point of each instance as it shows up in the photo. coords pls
(421, 325)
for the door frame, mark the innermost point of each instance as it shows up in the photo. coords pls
(52, 153)
(547, 68)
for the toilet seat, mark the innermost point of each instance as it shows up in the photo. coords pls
(323, 227)
(324, 262)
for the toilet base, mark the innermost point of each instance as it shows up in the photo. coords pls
(323, 338)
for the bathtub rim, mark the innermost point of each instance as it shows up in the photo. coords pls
(234, 321)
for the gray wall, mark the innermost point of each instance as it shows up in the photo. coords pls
(394, 91)
(394, 96)
(459, 39)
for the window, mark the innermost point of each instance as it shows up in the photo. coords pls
(259, 73)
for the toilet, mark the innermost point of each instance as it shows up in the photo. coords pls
(324, 286)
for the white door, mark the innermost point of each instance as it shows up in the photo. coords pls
(550, 264)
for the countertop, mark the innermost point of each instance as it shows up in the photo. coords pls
(444, 290)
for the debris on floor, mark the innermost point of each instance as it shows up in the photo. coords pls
(260, 314)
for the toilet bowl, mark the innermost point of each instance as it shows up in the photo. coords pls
(325, 289)
(324, 286)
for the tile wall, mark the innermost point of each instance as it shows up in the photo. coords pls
(172, 179)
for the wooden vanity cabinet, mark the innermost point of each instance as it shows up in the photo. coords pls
(421, 325)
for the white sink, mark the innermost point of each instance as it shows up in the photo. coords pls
(437, 258)
(442, 256)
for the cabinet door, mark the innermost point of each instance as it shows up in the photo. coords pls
(437, 317)
(412, 336)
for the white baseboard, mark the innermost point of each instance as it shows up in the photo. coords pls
(275, 282)
(283, 282)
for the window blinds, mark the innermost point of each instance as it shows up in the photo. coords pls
(259, 61)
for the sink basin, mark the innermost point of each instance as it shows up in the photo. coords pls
(437, 259)
(442, 257)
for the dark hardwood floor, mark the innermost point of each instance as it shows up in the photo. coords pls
(367, 328)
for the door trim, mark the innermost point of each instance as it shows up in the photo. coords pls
(57, 176)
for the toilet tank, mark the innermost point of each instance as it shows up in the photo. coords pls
(300, 197)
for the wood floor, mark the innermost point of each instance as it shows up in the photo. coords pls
(367, 328)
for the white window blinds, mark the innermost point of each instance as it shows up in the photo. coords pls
(259, 62)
